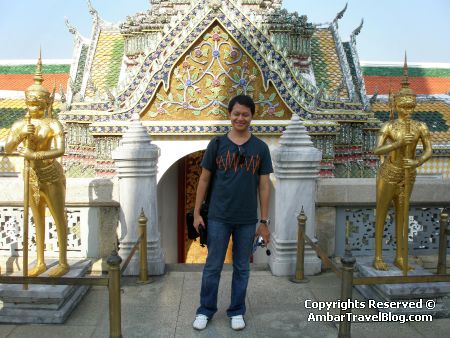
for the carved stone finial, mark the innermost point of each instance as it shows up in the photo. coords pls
(341, 13)
(358, 29)
(71, 28)
(92, 10)
(61, 94)
(215, 5)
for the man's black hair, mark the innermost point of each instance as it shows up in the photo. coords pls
(242, 100)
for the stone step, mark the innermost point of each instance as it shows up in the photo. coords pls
(43, 303)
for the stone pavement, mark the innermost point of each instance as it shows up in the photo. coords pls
(166, 308)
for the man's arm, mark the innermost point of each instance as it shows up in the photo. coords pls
(202, 188)
(264, 197)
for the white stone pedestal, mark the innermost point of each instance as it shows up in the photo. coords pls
(43, 304)
(296, 166)
(136, 161)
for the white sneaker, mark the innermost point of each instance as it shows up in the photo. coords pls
(200, 322)
(237, 322)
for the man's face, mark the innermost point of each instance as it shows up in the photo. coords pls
(240, 117)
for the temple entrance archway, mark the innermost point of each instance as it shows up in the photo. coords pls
(176, 195)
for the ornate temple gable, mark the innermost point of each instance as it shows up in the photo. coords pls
(214, 69)
(300, 95)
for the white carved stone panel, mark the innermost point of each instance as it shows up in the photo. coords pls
(11, 232)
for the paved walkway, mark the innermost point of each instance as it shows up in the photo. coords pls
(166, 308)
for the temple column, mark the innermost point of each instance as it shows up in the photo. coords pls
(296, 166)
(136, 161)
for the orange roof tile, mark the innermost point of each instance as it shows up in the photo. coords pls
(22, 81)
(421, 85)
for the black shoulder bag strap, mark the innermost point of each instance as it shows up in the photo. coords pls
(205, 205)
(215, 150)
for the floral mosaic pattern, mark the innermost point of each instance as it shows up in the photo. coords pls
(214, 70)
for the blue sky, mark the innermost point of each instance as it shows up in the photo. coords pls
(420, 27)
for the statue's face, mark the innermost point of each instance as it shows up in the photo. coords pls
(37, 103)
(405, 105)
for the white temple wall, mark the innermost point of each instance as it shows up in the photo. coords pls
(168, 213)
(173, 150)
(93, 208)
(335, 196)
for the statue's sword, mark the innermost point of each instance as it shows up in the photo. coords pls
(406, 203)
(26, 203)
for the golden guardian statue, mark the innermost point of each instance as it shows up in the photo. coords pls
(396, 145)
(42, 141)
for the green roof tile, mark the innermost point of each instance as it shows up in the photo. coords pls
(398, 71)
(30, 69)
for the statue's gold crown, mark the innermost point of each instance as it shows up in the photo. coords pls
(405, 94)
(37, 89)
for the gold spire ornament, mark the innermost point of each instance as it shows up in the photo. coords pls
(391, 104)
(397, 142)
(42, 139)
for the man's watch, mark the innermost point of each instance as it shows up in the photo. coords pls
(265, 221)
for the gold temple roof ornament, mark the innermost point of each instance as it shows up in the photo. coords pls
(405, 89)
(37, 89)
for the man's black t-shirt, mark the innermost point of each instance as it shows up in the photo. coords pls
(235, 178)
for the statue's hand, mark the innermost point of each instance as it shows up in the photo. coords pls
(409, 138)
(27, 154)
(27, 130)
(409, 163)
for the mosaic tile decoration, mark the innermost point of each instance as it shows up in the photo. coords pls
(11, 221)
(436, 166)
(10, 164)
(436, 114)
(423, 230)
(325, 61)
(12, 110)
(251, 37)
(209, 74)
(107, 61)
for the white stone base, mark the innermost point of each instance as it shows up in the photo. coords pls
(283, 260)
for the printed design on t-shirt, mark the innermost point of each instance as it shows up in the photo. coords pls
(233, 161)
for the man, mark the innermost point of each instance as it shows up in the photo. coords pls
(236, 165)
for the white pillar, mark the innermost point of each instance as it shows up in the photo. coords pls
(296, 166)
(136, 161)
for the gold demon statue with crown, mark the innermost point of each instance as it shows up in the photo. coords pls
(397, 143)
(39, 138)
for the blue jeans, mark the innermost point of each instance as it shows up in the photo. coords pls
(218, 238)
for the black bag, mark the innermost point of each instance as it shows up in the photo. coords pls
(203, 231)
(192, 233)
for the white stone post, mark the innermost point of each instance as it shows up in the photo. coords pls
(136, 162)
(296, 166)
